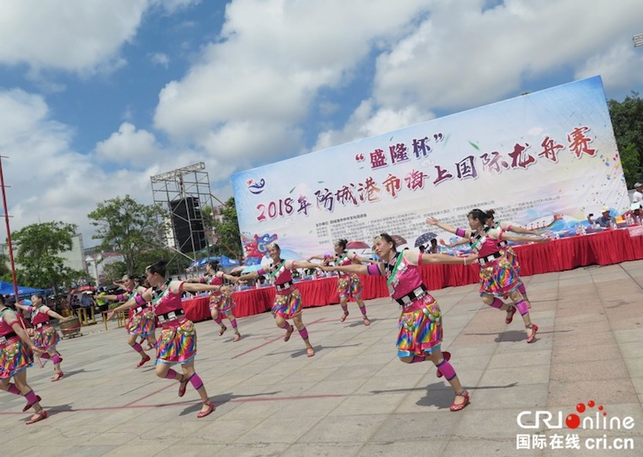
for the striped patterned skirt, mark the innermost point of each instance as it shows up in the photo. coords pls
(46, 337)
(512, 258)
(222, 303)
(349, 286)
(420, 327)
(499, 278)
(15, 356)
(177, 342)
(142, 324)
(287, 305)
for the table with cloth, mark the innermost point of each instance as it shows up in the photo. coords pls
(602, 248)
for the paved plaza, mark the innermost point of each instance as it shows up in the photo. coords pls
(354, 397)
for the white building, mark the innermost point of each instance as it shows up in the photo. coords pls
(96, 264)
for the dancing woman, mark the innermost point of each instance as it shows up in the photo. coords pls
(347, 284)
(16, 355)
(141, 322)
(511, 255)
(221, 304)
(177, 340)
(287, 299)
(420, 324)
(45, 336)
(497, 275)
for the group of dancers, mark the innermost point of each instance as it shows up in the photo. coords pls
(159, 300)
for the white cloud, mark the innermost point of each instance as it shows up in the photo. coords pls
(74, 35)
(159, 58)
(128, 146)
(620, 66)
(367, 121)
(48, 180)
(257, 84)
(461, 57)
(173, 5)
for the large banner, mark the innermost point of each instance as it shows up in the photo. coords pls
(544, 159)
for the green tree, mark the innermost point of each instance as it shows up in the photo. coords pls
(5, 268)
(129, 228)
(38, 253)
(627, 121)
(226, 229)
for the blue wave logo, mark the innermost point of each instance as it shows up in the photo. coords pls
(256, 187)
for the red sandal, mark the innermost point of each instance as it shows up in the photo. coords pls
(183, 385)
(223, 329)
(460, 406)
(367, 321)
(310, 352)
(447, 357)
(289, 332)
(40, 415)
(237, 337)
(57, 377)
(343, 318)
(510, 314)
(143, 361)
(29, 405)
(208, 411)
(534, 328)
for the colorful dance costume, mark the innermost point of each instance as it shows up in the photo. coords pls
(510, 254)
(420, 324)
(348, 284)
(141, 320)
(15, 355)
(503, 245)
(177, 341)
(45, 336)
(287, 299)
(497, 274)
(222, 303)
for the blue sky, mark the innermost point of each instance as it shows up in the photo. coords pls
(96, 97)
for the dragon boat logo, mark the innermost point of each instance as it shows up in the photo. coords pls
(588, 416)
(256, 187)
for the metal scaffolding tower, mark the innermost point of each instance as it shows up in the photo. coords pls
(638, 40)
(184, 192)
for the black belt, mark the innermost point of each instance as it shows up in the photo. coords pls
(7, 337)
(41, 325)
(489, 258)
(416, 293)
(140, 308)
(503, 244)
(284, 286)
(171, 315)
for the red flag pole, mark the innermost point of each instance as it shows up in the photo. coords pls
(13, 264)
(6, 219)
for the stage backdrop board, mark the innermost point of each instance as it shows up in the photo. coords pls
(536, 159)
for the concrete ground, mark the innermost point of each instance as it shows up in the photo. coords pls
(354, 398)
